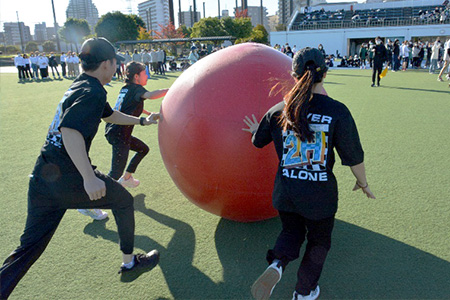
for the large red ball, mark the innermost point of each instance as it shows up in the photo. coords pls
(206, 152)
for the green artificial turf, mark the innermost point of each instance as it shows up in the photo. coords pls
(394, 247)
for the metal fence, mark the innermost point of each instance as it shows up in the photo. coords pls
(385, 22)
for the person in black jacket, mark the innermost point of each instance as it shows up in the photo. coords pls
(53, 64)
(396, 52)
(379, 57)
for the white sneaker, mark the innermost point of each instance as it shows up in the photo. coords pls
(312, 296)
(264, 285)
(130, 182)
(94, 213)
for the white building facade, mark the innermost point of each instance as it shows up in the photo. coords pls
(83, 9)
(154, 13)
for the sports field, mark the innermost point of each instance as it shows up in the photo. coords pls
(394, 247)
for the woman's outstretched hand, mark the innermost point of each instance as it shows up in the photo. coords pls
(252, 124)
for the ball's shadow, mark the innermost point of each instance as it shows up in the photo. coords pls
(361, 264)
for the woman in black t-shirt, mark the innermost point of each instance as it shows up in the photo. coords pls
(305, 129)
(130, 101)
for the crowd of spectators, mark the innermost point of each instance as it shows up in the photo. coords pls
(433, 55)
(36, 65)
(369, 17)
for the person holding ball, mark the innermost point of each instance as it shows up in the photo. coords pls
(306, 128)
(131, 102)
(64, 178)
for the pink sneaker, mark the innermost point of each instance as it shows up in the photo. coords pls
(130, 182)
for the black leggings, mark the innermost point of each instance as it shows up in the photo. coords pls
(290, 240)
(50, 194)
(120, 156)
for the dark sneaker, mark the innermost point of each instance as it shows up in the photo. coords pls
(142, 262)
(373, 84)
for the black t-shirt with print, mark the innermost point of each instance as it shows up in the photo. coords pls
(129, 102)
(81, 108)
(305, 182)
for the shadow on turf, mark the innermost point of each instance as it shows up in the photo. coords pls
(361, 264)
(414, 89)
(345, 75)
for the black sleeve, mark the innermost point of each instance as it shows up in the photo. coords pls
(346, 140)
(262, 136)
(84, 114)
(140, 91)
(107, 111)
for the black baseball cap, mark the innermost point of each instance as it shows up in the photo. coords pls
(305, 56)
(95, 50)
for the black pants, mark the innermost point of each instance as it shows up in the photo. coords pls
(21, 72)
(63, 69)
(396, 63)
(48, 198)
(54, 68)
(290, 240)
(27, 71)
(44, 72)
(120, 156)
(162, 71)
(155, 67)
(376, 72)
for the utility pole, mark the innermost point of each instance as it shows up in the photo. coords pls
(56, 28)
(171, 13)
(218, 7)
(262, 13)
(195, 11)
(20, 32)
(204, 12)
(179, 14)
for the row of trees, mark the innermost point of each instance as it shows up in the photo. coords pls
(117, 26)
(47, 46)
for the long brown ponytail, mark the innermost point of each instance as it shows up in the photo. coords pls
(295, 113)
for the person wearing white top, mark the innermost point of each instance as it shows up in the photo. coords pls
(136, 56)
(63, 63)
(154, 57)
(43, 65)
(446, 61)
(160, 56)
(27, 66)
(146, 59)
(69, 62)
(76, 64)
(127, 57)
(404, 52)
(20, 65)
(434, 56)
(193, 55)
(34, 65)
